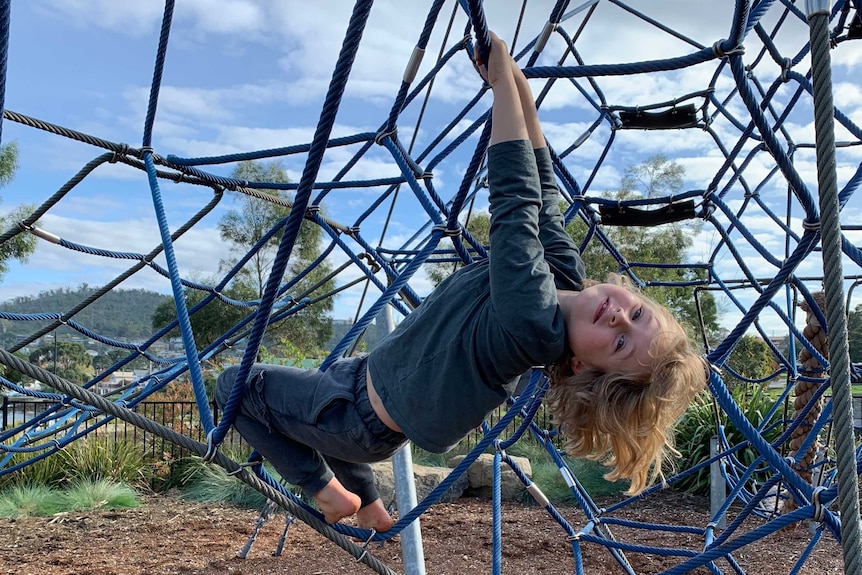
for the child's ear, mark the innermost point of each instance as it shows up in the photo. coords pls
(576, 365)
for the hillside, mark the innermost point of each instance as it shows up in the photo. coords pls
(122, 314)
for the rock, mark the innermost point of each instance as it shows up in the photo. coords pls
(481, 477)
(426, 478)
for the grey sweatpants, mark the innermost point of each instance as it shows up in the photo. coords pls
(311, 424)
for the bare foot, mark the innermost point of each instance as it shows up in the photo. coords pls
(336, 502)
(374, 516)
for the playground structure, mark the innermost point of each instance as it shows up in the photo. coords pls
(764, 102)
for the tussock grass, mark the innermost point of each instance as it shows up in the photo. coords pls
(41, 500)
(29, 500)
(101, 493)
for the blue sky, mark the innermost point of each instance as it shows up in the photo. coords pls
(251, 74)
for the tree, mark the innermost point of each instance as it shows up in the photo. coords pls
(657, 176)
(310, 328)
(479, 227)
(211, 322)
(751, 359)
(71, 361)
(21, 246)
(103, 361)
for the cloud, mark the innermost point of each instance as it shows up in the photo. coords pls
(139, 18)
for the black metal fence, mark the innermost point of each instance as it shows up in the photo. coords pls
(180, 416)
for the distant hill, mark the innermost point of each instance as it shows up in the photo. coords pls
(120, 314)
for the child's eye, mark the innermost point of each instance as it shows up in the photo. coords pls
(620, 343)
(639, 312)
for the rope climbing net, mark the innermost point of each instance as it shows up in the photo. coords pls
(764, 105)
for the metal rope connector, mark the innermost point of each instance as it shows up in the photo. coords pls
(365, 546)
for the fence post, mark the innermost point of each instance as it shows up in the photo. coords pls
(5, 412)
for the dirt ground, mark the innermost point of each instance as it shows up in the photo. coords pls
(169, 536)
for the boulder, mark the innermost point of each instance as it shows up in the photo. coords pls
(480, 476)
(426, 478)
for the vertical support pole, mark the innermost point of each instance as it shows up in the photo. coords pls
(833, 283)
(5, 22)
(717, 486)
(412, 552)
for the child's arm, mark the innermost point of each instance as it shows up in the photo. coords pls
(523, 295)
(560, 250)
(507, 115)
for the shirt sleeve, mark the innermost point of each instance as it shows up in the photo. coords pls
(523, 294)
(561, 252)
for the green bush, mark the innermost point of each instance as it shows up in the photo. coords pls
(46, 472)
(95, 458)
(210, 483)
(698, 425)
(91, 458)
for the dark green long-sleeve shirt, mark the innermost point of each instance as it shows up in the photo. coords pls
(457, 357)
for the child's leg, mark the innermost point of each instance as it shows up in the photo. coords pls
(358, 478)
(292, 416)
(302, 466)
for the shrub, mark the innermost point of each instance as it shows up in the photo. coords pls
(210, 483)
(46, 472)
(95, 458)
(698, 425)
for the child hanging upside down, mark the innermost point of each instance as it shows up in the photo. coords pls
(622, 368)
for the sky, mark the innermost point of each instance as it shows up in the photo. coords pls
(244, 75)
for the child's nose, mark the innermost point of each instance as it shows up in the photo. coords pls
(618, 316)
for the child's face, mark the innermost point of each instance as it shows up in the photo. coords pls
(611, 329)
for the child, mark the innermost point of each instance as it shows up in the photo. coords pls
(622, 368)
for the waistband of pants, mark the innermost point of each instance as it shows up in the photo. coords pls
(363, 406)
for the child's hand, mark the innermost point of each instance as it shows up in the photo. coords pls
(499, 62)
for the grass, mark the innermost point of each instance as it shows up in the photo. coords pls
(40, 500)
(101, 493)
(209, 483)
(28, 500)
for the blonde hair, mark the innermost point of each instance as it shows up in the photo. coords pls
(626, 420)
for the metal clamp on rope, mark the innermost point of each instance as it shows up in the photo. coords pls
(721, 53)
(378, 139)
(446, 231)
(809, 225)
(244, 464)
(144, 150)
(711, 367)
(44, 235)
(212, 448)
(311, 210)
(544, 36)
(818, 505)
(786, 64)
(365, 546)
(372, 263)
(413, 64)
(124, 150)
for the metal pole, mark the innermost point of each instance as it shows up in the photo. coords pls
(833, 283)
(717, 486)
(412, 552)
